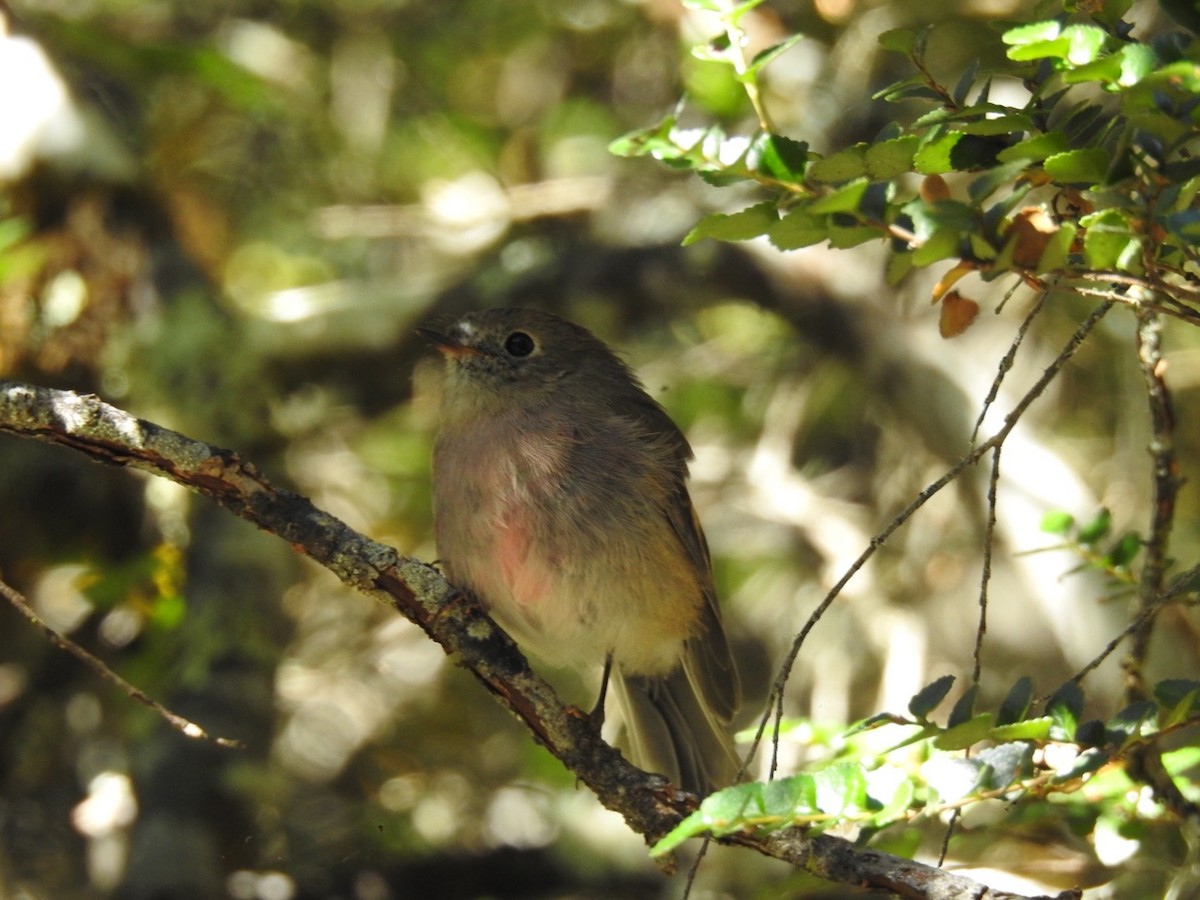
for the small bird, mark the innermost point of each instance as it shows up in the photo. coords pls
(560, 501)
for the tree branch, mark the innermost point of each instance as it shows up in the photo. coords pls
(650, 805)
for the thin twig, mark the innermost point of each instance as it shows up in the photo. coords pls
(775, 702)
(186, 727)
(1165, 487)
(1006, 362)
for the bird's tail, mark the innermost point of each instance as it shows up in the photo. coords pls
(671, 731)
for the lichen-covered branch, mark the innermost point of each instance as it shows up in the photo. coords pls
(650, 805)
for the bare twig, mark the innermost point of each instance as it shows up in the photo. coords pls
(775, 704)
(184, 726)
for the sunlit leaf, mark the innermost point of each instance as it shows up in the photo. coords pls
(740, 226)
(1035, 148)
(891, 158)
(965, 734)
(799, 228)
(844, 165)
(1087, 166)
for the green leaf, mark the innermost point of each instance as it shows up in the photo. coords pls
(1085, 763)
(1173, 691)
(719, 813)
(1058, 249)
(1056, 521)
(1095, 530)
(765, 56)
(927, 699)
(1126, 726)
(1033, 33)
(1065, 707)
(1036, 148)
(787, 798)
(845, 165)
(964, 707)
(799, 228)
(781, 157)
(841, 787)
(966, 734)
(845, 199)
(899, 803)
(953, 778)
(740, 226)
(898, 265)
(891, 158)
(1028, 730)
(1016, 702)
(934, 157)
(942, 244)
(1087, 166)
(1007, 763)
(899, 40)
(1107, 239)
(842, 237)
(1122, 553)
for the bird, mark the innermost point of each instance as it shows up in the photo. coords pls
(560, 502)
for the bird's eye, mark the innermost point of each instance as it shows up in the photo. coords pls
(519, 344)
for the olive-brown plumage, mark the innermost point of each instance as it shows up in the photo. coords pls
(560, 501)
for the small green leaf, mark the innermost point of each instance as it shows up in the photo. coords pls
(765, 56)
(942, 244)
(1032, 33)
(740, 226)
(899, 40)
(842, 237)
(799, 228)
(786, 798)
(841, 787)
(1175, 691)
(1035, 148)
(1028, 730)
(964, 707)
(966, 734)
(845, 199)
(1057, 522)
(899, 803)
(1085, 763)
(1095, 530)
(1007, 763)
(934, 157)
(1016, 702)
(891, 158)
(1085, 42)
(781, 157)
(1122, 553)
(927, 699)
(1126, 726)
(898, 265)
(1065, 707)
(845, 165)
(953, 778)
(719, 813)
(1087, 166)
(1058, 249)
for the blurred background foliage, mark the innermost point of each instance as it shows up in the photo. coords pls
(229, 217)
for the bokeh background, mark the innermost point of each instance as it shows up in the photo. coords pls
(229, 217)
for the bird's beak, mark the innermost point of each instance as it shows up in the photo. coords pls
(446, 345)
